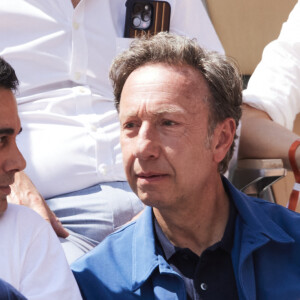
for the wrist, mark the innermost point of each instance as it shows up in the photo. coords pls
(297, 156)
(292, 204)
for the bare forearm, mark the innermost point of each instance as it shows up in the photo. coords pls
(263, 138)
(23, 192)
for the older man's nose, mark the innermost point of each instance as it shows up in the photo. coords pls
(148, 142)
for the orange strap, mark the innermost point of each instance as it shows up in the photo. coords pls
(292, 204)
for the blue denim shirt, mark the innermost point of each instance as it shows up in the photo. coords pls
(265, 255)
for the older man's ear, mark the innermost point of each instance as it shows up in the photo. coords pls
(222, 139)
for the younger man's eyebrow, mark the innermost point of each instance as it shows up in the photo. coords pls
(9, 131)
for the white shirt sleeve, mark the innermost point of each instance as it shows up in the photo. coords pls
(32, 259)
(46, 274)
(274, 85)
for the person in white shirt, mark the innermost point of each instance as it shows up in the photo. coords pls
(62, 51)
(31, 259)
(272, 97)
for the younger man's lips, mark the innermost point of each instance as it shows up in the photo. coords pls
(6, 190)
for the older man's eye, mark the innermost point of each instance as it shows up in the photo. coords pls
(129, 125)
(168, 123)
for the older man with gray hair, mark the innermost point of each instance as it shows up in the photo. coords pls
(199, 237)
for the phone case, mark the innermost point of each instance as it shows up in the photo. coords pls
(146, 17)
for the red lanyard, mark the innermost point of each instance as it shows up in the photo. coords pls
(292, 204)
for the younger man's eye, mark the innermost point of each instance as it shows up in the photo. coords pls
(2, 139)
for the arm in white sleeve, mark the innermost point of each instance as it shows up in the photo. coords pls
(45, 273)
(274, 86)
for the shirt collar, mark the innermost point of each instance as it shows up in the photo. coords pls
(250, 214)
(168, 248)
(226, 243)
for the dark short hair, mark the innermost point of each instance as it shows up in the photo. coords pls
(8, 77)
(220, 73)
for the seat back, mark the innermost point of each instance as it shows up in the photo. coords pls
(245, 27)
(255, 176)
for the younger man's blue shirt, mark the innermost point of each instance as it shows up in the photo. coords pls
(128, 264)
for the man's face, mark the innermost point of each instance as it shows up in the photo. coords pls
(166, 153)
(11, 160)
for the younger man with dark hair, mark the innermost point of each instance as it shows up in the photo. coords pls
(31, 259)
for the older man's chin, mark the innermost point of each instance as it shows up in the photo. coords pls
(3, 204)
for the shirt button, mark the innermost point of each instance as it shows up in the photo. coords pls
(75, 25)
(93, 128)
(77, 75)
(185, 256)
(203, 286)
(102, 169)
(82, 90)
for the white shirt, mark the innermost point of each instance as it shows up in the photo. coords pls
(275, 84)
(32, 259)
(62, 56)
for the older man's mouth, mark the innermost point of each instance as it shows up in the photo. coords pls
(151, 177)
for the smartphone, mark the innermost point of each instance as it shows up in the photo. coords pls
(146, 17)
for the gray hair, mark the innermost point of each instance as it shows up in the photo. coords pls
(220, 73)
